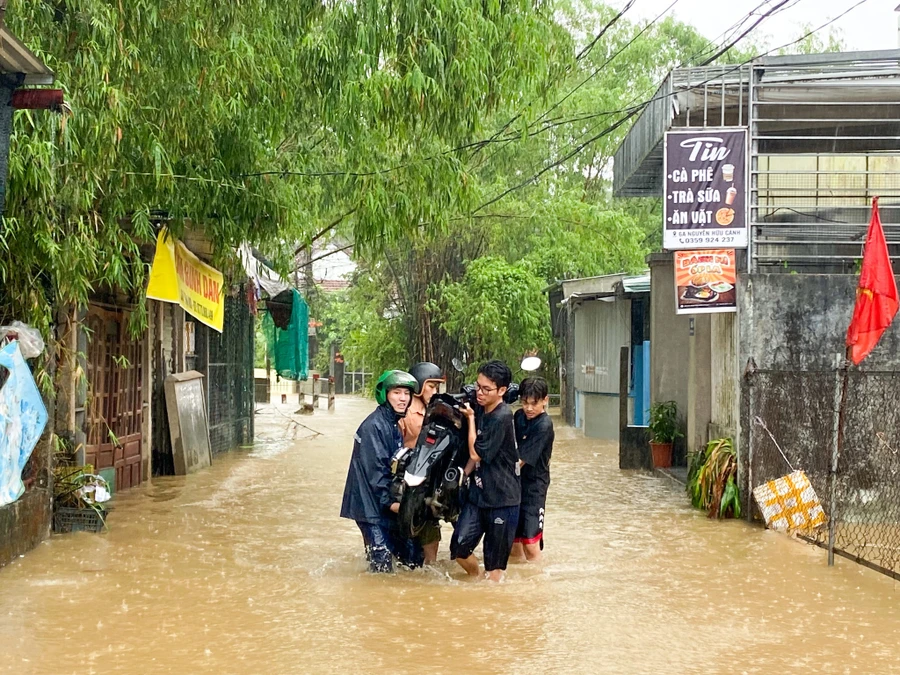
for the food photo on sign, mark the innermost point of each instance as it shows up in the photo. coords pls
(705, 281)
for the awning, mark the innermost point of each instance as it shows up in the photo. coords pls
(640, 284)
(17, 59)
(265, 278)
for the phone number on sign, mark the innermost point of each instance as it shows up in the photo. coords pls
(694, 238)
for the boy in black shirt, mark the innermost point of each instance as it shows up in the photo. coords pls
(534, 436)
(492, 507)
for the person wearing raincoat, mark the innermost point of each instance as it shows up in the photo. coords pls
(367, 492)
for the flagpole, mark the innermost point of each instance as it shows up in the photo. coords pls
(842, 376)
(876, 305)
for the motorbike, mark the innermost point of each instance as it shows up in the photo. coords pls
(429, 480)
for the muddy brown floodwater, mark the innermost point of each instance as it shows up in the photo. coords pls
(247, 568)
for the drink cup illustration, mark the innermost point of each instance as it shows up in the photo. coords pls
(730, 194)
(728, 172)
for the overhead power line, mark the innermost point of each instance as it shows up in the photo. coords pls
(638, 108)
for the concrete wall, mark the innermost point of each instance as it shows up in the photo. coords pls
(725, 377)
(25, 523)
(699, 409)
(670, 346)
(601, 416)
(792, 330)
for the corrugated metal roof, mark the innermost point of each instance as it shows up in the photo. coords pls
(17, 59)
(607, 285)
(717, 96)
(639, 284)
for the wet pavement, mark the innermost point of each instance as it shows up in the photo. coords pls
(247, 568)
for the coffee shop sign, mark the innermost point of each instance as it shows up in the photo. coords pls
(705, 201)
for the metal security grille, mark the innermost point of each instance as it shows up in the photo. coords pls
(861, 496)
(825, 139)
(226, 359)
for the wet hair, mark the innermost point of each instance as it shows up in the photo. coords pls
(533, 389)
(497, 372)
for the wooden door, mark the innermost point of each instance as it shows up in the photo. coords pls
(115, 410)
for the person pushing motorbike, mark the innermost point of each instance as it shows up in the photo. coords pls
(429, 378)
(367, 491)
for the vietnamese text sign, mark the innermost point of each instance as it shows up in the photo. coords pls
(705, 189)
(181, 277)
(705, 282)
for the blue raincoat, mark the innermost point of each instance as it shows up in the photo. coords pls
(367, 492)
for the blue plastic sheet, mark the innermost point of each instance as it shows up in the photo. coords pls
(23, 417)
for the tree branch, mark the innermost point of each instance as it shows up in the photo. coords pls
(322, 233)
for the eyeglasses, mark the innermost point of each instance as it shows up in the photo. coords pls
(484, 390)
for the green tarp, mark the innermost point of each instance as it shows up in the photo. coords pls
(288, 345)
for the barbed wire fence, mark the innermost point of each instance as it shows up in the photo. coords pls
(850, 452)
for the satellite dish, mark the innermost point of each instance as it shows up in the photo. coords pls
(530, 363)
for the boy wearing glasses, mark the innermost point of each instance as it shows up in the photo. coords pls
(492, 507)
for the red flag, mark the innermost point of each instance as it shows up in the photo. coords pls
(876, 296)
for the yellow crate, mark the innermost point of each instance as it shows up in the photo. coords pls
(789, 503)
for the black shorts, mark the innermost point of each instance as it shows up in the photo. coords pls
(430, 533)
(531, 523)
(497, 526)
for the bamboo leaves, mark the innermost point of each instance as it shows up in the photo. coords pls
(181, 106)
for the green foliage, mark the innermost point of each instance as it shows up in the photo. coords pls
(469, 281)
(816, 43)
(254, 120)
(365, 321)
(259, 343)
(712, 475)
(664, 424)
(499, 307)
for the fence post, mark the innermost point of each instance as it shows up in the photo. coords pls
(315, 394)
(840, 395)
(330, 394)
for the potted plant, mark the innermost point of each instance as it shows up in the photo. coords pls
(664, 431)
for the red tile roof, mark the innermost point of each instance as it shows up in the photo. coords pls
(333, 285)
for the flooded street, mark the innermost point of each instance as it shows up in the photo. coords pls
(247, 568)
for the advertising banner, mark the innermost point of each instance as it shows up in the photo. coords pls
(180, 277)
(705, 189)
(705, 282)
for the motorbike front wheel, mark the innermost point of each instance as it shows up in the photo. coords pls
(414, 512)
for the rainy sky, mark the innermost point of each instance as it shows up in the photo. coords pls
(871, 25)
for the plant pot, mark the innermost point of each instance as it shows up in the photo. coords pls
(662, 455)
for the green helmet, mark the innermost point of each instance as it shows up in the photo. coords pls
(391, 379)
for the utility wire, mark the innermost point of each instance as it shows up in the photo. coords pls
(608, 61)
(583, 53)
(726, 47)
(583, 82)
(725, 35)
(634, 111)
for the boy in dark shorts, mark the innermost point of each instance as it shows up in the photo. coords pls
(492, 506)
(534, 436)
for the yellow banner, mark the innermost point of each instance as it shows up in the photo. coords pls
(181, 277)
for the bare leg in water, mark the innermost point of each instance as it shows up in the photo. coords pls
(470, 565)
(431, 551)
